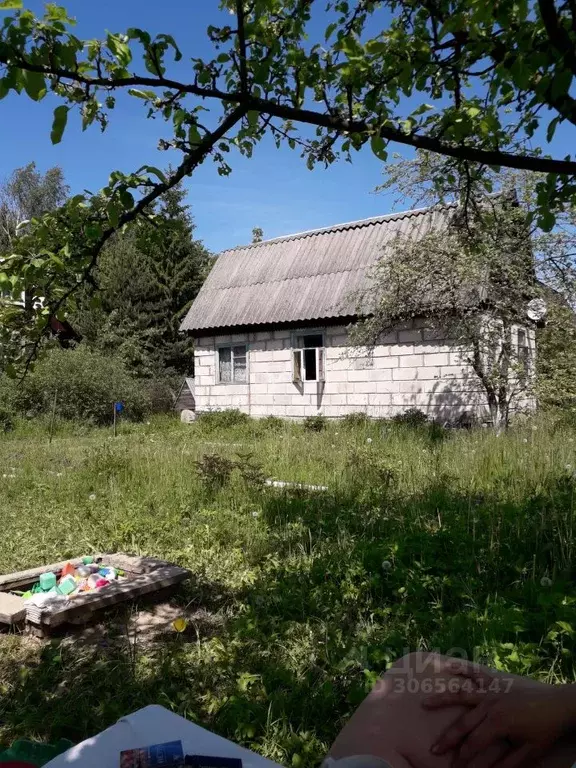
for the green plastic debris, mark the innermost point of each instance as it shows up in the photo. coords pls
(34, 752)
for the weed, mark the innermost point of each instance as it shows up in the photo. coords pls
(314, 423)
(214, 471)
(211, 421)
(413, 417)
(6, 420)
(299, 600)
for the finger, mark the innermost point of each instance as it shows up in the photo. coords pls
(457, 698)
(518, 758)
(470, 670)
(476, 744)
(455, 734)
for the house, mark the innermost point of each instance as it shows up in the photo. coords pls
(271, 331)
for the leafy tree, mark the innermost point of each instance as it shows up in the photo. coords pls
(28, 194)
(474, 277)
(471, 280)
(147, 278)
(469, 80)
(556, 360)
(257, 234)
(86, 384)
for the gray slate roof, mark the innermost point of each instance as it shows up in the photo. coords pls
(303, 277)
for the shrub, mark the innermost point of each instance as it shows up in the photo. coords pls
(250, 470)
(272, 423)
(86, 385)
(212, 420)
(161, 394)
(214, 471)
(314, 423)
(6, 420)
(413, 417)
(353, 420)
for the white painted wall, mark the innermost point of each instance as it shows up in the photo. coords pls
(412, 369)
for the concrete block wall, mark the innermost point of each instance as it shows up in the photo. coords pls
(412, 368)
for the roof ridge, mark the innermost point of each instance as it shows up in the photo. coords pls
(347, 225)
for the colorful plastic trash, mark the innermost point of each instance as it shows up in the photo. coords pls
(67, 585)
(32, 754)
(47, 581)
(68, 570)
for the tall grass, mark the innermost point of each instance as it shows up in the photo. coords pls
(459, 541)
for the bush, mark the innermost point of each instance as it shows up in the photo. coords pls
(212, 420)
(272, 424)
(214, 471)
(6, 420)
(314, 423)
(86, 385)
(161, 394)
(413, 417)
(353, 420)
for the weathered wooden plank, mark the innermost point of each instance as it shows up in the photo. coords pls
(115, 593)
(151, 575)
(20, 578)
(12, 608)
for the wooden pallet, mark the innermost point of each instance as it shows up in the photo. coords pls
(146, 576)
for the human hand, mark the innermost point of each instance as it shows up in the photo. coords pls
(530, 719)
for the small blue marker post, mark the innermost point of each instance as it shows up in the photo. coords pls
(118, 408)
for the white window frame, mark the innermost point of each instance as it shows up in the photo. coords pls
(298, 359)
(524, 353)
(230, 346)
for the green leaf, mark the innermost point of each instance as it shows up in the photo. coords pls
(113, 211)
(222, 58)
(4, 87)
(552, 128)
(378, 146)
(10, 5)
(473, 111)
(376, 47)
(148, 95)
(546, 220)
(330, 29)
(56, 13)
(59, 123)
(119, 49)
(154, 171)
(253, 116)
(34, 85)
(170, 40)
(139, 34)
(423, 108)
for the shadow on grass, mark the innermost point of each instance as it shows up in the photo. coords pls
(348, 581)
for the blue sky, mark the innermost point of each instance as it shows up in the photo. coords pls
(273, 190)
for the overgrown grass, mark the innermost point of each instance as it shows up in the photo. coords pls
(425, 539)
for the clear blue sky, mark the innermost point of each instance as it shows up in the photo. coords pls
(273, 190)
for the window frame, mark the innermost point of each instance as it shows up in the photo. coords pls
(523, 354)
(298, 357)
(233, 382)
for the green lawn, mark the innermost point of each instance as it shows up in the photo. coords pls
(299, 599)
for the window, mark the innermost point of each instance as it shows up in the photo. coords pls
(232, 364)
(523, 355)
(308, 358)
